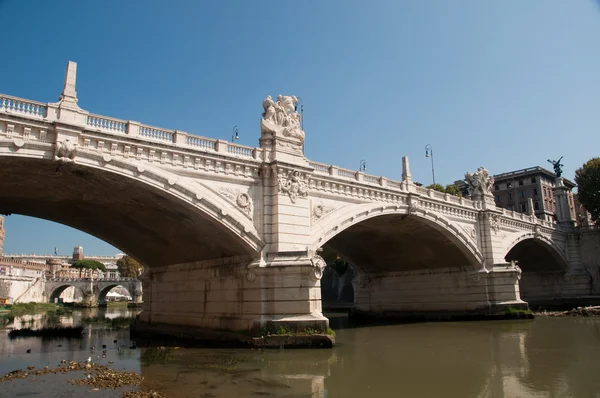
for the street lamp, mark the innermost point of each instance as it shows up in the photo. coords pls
(234, 134)
(363, 166)
(429, 153)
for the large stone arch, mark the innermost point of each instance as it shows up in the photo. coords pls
(535, 246)
(437, 228)
(154, 215)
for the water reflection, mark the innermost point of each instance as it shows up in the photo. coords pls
(545, 357)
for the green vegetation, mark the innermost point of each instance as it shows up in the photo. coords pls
(587, 178)
(31, 308)
(120, 322)
(330, 332)
(129, 267)
(450, 189)
(88, 265)
(155, 355)
(49, 332)
(519, 313)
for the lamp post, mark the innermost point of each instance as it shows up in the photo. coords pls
(362, 166)
(429, 153)
(234, 134)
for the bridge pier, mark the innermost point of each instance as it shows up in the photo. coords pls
(228, 294)
(442, 293)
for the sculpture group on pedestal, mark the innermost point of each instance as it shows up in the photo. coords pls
(480, 182)
(281, 118)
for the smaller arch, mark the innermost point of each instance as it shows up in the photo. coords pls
(105, 289)
(536, 253)
(58, 290)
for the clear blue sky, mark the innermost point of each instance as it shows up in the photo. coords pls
(505, 84)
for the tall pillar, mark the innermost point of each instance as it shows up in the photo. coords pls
(563, 208)
(287, 271)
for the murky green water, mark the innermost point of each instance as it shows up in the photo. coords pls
(545, 357)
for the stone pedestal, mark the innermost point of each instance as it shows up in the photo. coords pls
(563, 208)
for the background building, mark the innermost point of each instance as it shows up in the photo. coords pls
(513, 189)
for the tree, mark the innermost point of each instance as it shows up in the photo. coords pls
(452, 190)
(587, 178)
(129, 267)
(88, 265)
(436, 187)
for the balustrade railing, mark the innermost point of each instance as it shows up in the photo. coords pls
(319, 167)
(345, 173)
(156, 133)
(201, 142)
(239, 150)
(107, 124)
(23, 107)
(371, 179)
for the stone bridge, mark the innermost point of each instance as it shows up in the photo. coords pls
(231, 234)
(94, 290)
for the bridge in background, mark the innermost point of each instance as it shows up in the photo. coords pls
(94, 289)
(231, 234)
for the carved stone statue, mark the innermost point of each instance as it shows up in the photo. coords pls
(65, 150)
(294, 185)
(281, 118)
(557, 166)
(480, 182)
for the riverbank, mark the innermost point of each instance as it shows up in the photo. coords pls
(591, 311)
(29, 308)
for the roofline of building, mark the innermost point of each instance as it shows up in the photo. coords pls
(533, 170)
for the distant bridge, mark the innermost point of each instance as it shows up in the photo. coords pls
(94, 290)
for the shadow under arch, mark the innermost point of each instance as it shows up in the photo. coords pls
(388, 240)
(536, 254)
(149, 216)
(59, 290)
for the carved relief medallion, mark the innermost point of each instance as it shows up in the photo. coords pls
(320, 210)
(241, 199)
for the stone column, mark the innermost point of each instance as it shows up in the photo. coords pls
(287, 273)
(563, 208)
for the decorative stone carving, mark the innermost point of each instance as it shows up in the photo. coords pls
(241, 199)
(413, 206)
(250, 276)
(480, 183)
(294, 185)
(281, 118)
(65, 150)
(320, 211)
(318, 266)
(495, 222)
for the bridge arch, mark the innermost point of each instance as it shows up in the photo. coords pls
(536, 253)
(416, 238)
(106, 288)
(154, 215)
(56, 291)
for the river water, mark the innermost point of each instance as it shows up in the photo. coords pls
(544, 357)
